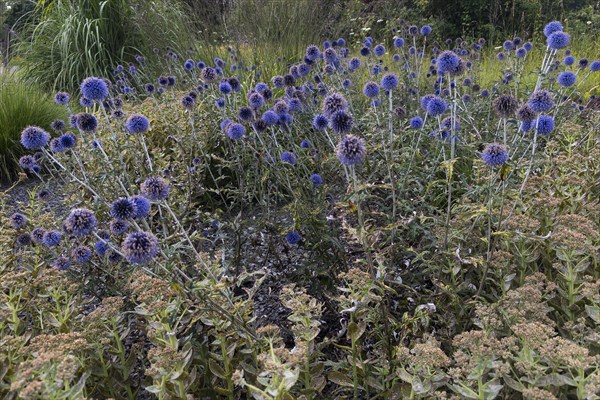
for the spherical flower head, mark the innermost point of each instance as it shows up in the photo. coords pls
(346, 83)
(413, 30)
(447, 62)
(313, 52)
(341, 122)
(371, 89)
(171, 80)
(281, 107)
(566, 79)
(140, 247)
(61, 263)
(58, 125)
(295, 105)
(24, 239)
(235, 131)
(545, 124)
(142, 207)
(303, 69)
(528, 46)
(333, 103)
(187, 102)
(288, 157)
(37, 235)
(62, 98)
(416, 122)
(155, 188)
(80, 222)
(18, 220)
(305, 144)
(245, 113)
(52, 238)
(277, 81)
(505, 105)
(225, 87)
(256, 100)
(495, 155)
(501, 56)
(149, 88)
(526, 114)
(320, 122)
(595, 66)
(389, 81)
(26, 162)
(123, 208)
(33, 138)
(508, 45)
(379, 50)
(426, 30)
(399, 42)
(56, 146)
(189, 65)
(101, 247)
(118, 227)
(436, 106)
(521, 52)
(87, 122)
(316, 179)
(354, 63)
(451, 124)
(208, 74)
(558, 40)
(540, 101)
(67, 140)
(270, 117)
(81, 254)
(137, 123)
(425, 100)
(293, 237)
(583, 62)
(351, 150)
(285, 119)
(220, 102)
(94, 88)
(552, 27)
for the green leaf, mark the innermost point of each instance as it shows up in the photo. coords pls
(340, 379)
(216, 369)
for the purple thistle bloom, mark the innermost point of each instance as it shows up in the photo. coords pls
(61, 263)
(558, 40)
(379, 50)
(521, 52)
(552, 27)
(58, 125)
(341, 122)
(235, 131)
(256, 100)
(320, 122)
(18, 220)
(140, 247)
(398, 42)
(26, 162)
(305, 144)
(436, 106)
(288, 157)
(101, 247)
(528, 46)
(24, 239)
(187, 102)
(155, 188)
(354, 63)
(316, 179)
(351, 150)
(545, 124)
(33, 138)
(270, 117)
(80, 222)
(293, 237)
(189, 65)
(371, 89)
(426, 30)
(142, 206)
(333, 103)
(62, 98)
(118, 227)
(389, 81)
(94, 88)
(52, 238)
(566, 78)
(447, 62)
(123, 208)
(81, 254)
(595, 66)
(416, 122)
(245, 113)
(541, 101)
(495, 155)
(137, 123)
(225, 87)
(87, 122)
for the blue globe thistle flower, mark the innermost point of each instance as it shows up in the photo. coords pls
(368, 42)
(450, 124)
(270, 117)
(123, 208)
(293, 71)
(389, 81)
(320, 122)
(18, 220)
(379, 50)
(225, 87)
(201, 64)
(541, 101)
(558, 40)
(545, 124)
(52, 238)
(425, 100)
(303, 69)
(140, 247)
(23, 240)
(187, 102)
(281, 107)
(566, 79)
(508, 45)
(86, 122)
(365, 51)
(426, 30)
(552, 27)
(101, 247)
(485, 93)
(313, 52)
(501, 56)
(56, 146)
(114, 257)
(521, 52)
(413, 30)
(155, 188)
(277, 81)
(261, 87)
(67, 140)
(495, 155)
(80, 222)
(436, 106)
(354, 63)
(61, 263)
(305, 144)
(37, 235)
(58, 125)
(285, 119)
(171, 80)
(341, 122)
(189, 65)
(256, 100)
(81, 254)
(235, 131)
(371, 89)
(36, 168)
(193, 94)
(333, 103)
(505, 105)
(412, 50)
(595, 66)
(26, 162)
(220, 102)
(288, 157)
(62, 98)
(316, 179)
(142, 207)
(346, 83)
(94, 88)
(351, 150)
(526, 114)
(85, 102)
(118, 114)
(375, 103)
(208, 74)
(33, 138)
(583, 63)
(416, 122)
(118, 227)
(399, 42)
(447, 62)
(149, 88)
(219, 62)
(341, 42)
(288, 80)
(294, 105)
(163, 80)
(235, 84)
(528, 46)
(245, 113)
(137, 123)
(396, 57)
(293, 237)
